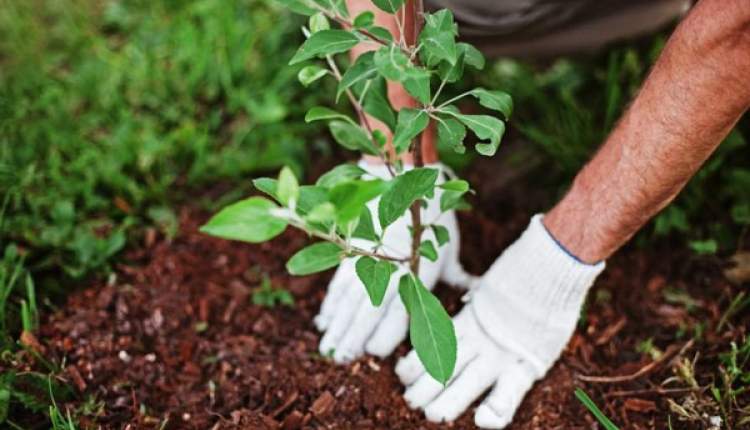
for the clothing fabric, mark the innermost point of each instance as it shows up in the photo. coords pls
(553, 27)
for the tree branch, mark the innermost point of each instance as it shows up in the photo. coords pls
(338, 240)
(416, 208)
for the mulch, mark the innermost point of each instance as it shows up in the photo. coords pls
(173, 340)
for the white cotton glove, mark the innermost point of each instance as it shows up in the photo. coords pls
(352, 325)
(514, 328)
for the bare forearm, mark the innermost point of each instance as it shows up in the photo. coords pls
(696, 92)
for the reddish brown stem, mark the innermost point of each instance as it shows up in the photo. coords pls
(417, 15)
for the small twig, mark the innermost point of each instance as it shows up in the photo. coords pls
(671, 352)
(349, 24)
(332, 237)
(658, 390)
(360, 114)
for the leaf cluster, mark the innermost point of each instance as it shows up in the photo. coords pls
(349, 210)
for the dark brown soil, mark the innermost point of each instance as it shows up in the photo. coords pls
(175, 338)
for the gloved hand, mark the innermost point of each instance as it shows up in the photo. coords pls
(516, 324)
(352, 325)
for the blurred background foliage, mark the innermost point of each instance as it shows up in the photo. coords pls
(114, 112)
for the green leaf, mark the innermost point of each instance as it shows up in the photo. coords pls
(438, 38)
(267, 185)
(365, 227)
(704, 247)
(310, 74)
(298, 6)
(309, 195)
(336, 6)
(410, 123)
(419, 88)
(341, 173)
(325, 42)
(376, 103)
(315, 258)
(430, 329)
(364, 19)
(375, 275)
(452, 197)
(351, 197)
(404, 190)
(379, 138)
(352, 137)
(318, 113)
(455, 185)
(362, 70)
(452, 200)
(485, 127)
(390, 6)
(441, 234)
(472, 56)
(394, 65)
(250, 220)
(451, 134)
(323, 213)
(496, 100)
(467, 54)
(287, 188)
(428, 251)
(452, 72)
(381, 33)
(318, 22)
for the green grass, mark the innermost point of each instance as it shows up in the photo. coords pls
(595, 411)
(109, 109)
(113, 112)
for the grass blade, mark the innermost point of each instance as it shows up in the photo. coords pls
(591, 406)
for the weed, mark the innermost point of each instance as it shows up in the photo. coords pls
(268, 296)
(738, 303)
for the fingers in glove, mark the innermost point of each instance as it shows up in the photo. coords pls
(454, 273)
(367, 320)
(391, 331)
(342, 318)
(342, 279)
(409, 368)
(476, 378)
(497, 410)
(426, 388)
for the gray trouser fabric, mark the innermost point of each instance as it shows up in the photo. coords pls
(540, 28)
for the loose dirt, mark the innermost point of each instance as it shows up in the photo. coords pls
(173, 340)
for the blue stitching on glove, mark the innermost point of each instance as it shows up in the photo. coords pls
(564, 249)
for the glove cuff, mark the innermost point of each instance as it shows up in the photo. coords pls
(535, 282)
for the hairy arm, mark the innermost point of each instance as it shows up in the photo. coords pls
(696, 92)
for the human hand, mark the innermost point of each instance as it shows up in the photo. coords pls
(518, 320)
(351, 323)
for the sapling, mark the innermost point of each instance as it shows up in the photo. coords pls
(334, 209)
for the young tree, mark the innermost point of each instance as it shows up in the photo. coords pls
(334, 209)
